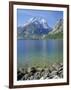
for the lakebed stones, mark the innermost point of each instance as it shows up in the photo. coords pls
(33, 73)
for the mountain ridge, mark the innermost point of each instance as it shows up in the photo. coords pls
(38, 28)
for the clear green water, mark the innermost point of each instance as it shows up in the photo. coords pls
(39, 52)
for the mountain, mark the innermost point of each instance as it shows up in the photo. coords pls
(38, 28)
(58, 27)
(35, 28)
(57, 32)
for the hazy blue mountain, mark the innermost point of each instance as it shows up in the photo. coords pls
(35, 28)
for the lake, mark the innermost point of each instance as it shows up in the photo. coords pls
(39, 52)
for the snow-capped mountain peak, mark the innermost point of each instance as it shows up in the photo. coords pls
(35, 27)
(37, 21)
(44, 23)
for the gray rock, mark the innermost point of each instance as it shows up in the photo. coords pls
(37, 75)
(60, 69)
(29, 70)
(31, 78)
(53, 73)
(19, 76)
(42, 78)
(61, 75)
(56, 77)
(45, 76)
(25, 77)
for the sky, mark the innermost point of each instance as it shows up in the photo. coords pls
(23, 15)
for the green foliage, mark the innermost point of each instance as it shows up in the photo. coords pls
(55, 36)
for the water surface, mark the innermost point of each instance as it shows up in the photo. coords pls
(39, 52)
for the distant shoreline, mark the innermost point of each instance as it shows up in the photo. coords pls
(40, 39)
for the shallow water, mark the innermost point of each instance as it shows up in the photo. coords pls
(39, 52)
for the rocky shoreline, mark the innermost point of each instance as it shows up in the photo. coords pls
(55, 71)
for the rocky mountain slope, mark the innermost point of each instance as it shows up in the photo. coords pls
(57, 32)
